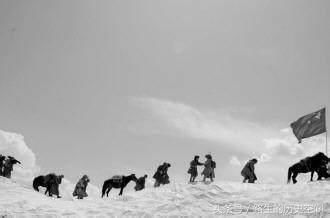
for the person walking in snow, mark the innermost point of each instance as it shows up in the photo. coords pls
(140, 183)
(81, 186)
(208, 171)
(8, 166)
(193, 168)
(161, 175)
(248, 171)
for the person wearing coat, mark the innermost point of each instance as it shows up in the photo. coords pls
(140, 183)
(248, 171)
(208, 171)
(81, 186)
(193, 168)
(8, 166)
(161, 176)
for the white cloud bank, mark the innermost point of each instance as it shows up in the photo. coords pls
(235, 162)
(207, 125)
(13, 144)
(243, 138)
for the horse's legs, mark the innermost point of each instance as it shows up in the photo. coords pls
(121, 190)
(108, 190)
(294, 176)
(312, 174)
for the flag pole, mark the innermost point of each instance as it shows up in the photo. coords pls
(326, 133)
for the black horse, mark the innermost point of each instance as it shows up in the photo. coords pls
(117, 182)
(309, 164)
(50, 182)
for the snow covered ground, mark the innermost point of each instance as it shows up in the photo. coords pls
(213, 200)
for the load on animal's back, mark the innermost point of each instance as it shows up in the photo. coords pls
(119, 182)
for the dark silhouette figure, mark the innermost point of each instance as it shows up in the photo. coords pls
(193, 168)
(309, 164)
(8, 166)
(51, 182)
(81, 186)
(140, 183)
(209, 166)
(161, 177)
(117, 182)
(248, 171)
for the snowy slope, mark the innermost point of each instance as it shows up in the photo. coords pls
(171, 200)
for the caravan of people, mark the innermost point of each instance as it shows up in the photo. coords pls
(305, 127)
(164, 108)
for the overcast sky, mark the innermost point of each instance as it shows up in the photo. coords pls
(108, 87)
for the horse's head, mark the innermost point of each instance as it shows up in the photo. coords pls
(133, 177)
(321, 158)
(59, 179)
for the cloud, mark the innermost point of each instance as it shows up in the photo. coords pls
(13, 144)
(234, 161)
(217, 127)
(264, 158)
(274, 147)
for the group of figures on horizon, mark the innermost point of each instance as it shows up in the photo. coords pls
(6, 165)
(208, 172)
(317, 163)
(52, 181)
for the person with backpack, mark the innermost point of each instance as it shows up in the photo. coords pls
(161, 176)
(193, 168)
(81, 186)
(208, 171)
(213, 166)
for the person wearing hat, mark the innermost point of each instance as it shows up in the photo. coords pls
(81, 186)
(248, 171)
(193, 168)
(208, 171)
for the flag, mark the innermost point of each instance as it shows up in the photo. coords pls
(309, 125)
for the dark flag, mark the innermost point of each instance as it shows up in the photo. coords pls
(309, 125)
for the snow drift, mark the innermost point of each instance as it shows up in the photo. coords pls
(213, 200)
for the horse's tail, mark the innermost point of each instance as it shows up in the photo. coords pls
(289, 174)
(104, 188)
(35, 184)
